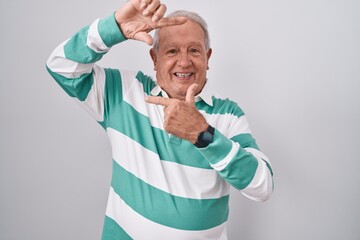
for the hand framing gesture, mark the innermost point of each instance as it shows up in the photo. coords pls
(136, 18)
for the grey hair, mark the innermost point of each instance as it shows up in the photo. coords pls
(191, 16)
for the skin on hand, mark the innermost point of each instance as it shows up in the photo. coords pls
(136, 18)
(181, 117)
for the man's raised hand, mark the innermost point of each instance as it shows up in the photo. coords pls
(181, 118)
(136, 18)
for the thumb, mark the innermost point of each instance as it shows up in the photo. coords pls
(144, 37)
(190, 93)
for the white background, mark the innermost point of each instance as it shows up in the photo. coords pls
(293, 66)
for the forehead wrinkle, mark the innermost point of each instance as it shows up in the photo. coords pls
(175, 44)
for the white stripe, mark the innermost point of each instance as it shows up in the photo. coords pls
(157, 115)
(219, 166)
(133, 92)
(141, 228)
(174, 178)
(94, 40)
(257, 153)
(260, 187)
(65, 67)
(94, 102)
(238, 125)
(134, 95)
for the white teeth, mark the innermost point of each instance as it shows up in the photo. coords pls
(183, 74)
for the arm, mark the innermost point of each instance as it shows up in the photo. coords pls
(72, 63)
(238, 160)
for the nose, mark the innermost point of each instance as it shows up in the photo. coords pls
(184, 60)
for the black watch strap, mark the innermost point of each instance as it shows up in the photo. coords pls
(205, 138)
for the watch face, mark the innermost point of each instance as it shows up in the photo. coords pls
(205, 138)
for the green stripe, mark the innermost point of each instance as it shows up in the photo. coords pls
(113, 95)
(125, 119)
(110, 32)
(147, 82)
(241, 170)
(242, 167)
(218, 149)
(112, 92)
(74, 87)
(167, 209)
(76, 48)
(220, 106)
(245, 140)
(112, 231)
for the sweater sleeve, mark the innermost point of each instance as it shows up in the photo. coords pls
(239, 161)
(73, 64)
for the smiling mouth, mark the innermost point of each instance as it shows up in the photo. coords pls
(183, 75)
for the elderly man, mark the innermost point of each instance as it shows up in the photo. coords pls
(176, 147)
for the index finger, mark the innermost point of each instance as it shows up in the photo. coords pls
(158, 100)
(171, 21)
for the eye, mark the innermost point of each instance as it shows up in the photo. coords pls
(194, 51)
(171, 52)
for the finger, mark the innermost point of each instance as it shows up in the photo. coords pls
(165, 22)
(159, 13)
(144, 4)
(151, 8)
(158, 100)
(144, 37)
(190, 93)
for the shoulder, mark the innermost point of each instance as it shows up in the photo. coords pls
(137, 80)
(223, 105)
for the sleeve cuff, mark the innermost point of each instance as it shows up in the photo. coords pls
(218, 150)
(109, 31)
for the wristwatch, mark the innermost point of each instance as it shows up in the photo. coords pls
(205, 137)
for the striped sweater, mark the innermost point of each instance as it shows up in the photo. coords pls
(162, 187)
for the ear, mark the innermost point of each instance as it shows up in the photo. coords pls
(153, 57)
(208, 55)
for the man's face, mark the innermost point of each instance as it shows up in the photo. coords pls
(181, 58)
